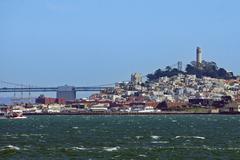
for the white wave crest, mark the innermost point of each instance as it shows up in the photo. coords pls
(111, 149)
(142, 155)
(196, 137)
(155, 137)
(12, 147)
(79, 148)
(160, 142)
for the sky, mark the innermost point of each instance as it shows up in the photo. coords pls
(94, 42)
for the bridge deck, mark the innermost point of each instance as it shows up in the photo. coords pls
(52, 89)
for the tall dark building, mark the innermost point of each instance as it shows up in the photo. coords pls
(66, 92)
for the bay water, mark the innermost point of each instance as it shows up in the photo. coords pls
(121, 137)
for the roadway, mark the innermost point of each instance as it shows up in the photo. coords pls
(52, 89)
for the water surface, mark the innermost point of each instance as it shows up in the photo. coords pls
(121, 137)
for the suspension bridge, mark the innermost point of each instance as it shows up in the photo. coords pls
(67, 92)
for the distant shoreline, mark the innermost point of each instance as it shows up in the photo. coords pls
(130, 113)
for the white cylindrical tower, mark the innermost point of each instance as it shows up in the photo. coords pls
(199, 57)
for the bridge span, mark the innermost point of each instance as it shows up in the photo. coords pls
(52, 89)
(66, 92)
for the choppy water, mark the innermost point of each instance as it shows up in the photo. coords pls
(121, 137)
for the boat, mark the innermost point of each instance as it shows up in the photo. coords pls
(99, 108)
(14, 114)
(148, 109)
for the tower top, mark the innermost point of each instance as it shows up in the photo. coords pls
(199, 50)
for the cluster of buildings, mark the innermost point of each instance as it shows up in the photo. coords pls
(176, 93)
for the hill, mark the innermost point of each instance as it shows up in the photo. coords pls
(207, 69)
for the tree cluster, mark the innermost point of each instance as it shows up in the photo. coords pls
(207, 69)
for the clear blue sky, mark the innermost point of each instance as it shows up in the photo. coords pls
(76, 42)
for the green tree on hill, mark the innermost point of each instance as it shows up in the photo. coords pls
(208, 69)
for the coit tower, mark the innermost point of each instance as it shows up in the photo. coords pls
(199, 57)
